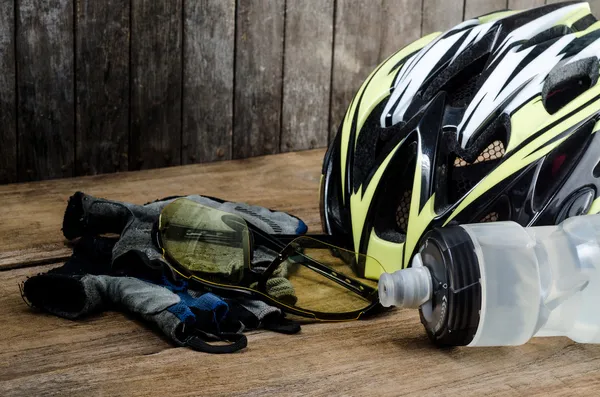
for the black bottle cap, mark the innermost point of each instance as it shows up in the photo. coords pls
(452, 316)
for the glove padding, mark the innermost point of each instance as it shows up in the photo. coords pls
(99, 274)
(87, 215)
(84, 285)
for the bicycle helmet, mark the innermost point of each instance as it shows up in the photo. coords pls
(492, 120)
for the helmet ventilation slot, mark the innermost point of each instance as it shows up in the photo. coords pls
(461, 80)
(463, 94)
(494, 151)
(567, 82)
(490, 217)
(548, 35)
(402, 211)
(596, 171)
(558, 164)
(498, 211)
(464, 175)
(463, 179)
(368, 147)
(391, 205)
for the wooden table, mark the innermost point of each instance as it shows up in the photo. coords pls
(113, 354)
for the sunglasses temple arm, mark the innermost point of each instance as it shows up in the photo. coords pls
(279, 241)
(322, 238)
(347, 282)
(325, 271)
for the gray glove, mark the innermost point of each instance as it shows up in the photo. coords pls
(87, 215)
(85, 284)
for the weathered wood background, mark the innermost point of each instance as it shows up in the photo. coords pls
(90, 86)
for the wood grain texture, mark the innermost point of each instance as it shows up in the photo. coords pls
(366, 32)
(209, 37)
(389, 355)
(288, 182)
(65, 343)
(8, 97)
(476, 8)
(38, 255)
(358, 28)
(156, 73)
(44, 45)
(524, 4)
(258, 77)
(116, 354)
(307, 74)
(401, 25)
(439, 16)
(102, 86)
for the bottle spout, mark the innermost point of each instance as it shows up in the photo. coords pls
(407, 288)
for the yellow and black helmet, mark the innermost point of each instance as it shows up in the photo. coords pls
(495, 119)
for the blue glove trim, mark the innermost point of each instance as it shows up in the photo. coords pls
(208, 303)
(302, 228)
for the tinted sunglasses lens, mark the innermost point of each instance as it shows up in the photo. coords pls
(323, 279)
(204, 241)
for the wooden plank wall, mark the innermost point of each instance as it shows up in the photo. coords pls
(8, 96)
(102, 86)
(90, 87)
(45, 64)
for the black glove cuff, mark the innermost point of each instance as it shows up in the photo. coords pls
(87, 215)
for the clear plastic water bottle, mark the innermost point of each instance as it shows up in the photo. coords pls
(496, 284)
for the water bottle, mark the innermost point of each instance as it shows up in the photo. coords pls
(498, 283)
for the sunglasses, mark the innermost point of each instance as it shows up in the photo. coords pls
(302, 275)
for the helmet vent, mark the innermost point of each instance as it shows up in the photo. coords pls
(391, 203)
(462, 95)
(567, 82)
(557, 165)
(461, 78)
(596, 171)
(491, 217)
(494, 151)
(403, 210)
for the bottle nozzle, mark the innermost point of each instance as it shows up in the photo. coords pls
(408, 288)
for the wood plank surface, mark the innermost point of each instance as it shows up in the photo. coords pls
(45, 70)
(208, 53)
(439, 15)
(524, 4)
(37, 208)
(102, 86)
(89, 341)
(156, 80)
(476, 8)
(258, 77)
(307, 74)
(389, 355)
(8, 97)
(116, 354)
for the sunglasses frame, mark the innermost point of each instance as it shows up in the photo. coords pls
(284, 245)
